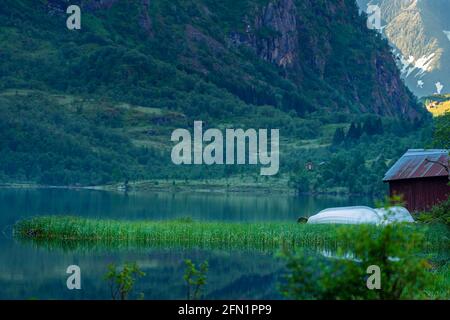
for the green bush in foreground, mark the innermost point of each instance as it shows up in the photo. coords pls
(195, 279)
(438, 214)
(403, 274)
(121, 282)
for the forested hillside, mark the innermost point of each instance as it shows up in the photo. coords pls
(205, 57)
(97, 105)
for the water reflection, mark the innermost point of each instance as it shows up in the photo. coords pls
(34, 272)
(19, 203)
(31, 270)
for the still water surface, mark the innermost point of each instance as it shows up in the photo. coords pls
(31, 271)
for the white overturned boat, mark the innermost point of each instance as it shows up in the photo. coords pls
(361, 215)
(394, 214)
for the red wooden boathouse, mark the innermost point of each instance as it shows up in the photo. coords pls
(422, 177)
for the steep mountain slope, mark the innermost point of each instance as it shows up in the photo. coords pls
(419, 30)
(139, 69)
(305, 56)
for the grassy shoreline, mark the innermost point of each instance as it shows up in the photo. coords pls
(216, 186)
(192, 187)
(187, 233)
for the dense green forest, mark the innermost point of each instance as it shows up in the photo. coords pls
(98, 142)
(98, 105)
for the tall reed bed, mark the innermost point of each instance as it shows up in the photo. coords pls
(185, 233)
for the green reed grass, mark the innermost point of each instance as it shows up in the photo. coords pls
(186, 233)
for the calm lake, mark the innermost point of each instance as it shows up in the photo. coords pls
(30, 271)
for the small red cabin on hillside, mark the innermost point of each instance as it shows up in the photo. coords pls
(422, 177)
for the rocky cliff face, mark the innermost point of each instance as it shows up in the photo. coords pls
(276, 36)
(284, 32)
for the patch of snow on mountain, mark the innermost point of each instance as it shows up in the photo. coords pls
(422, 65)
(439, 87)
(447, 33)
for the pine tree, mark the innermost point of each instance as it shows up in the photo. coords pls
(368, 127)
(351, 132)
(339, 136)
(354, 132)
(379, 126)
(359, 130)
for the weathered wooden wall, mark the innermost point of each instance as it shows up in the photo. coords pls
(421, 194)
